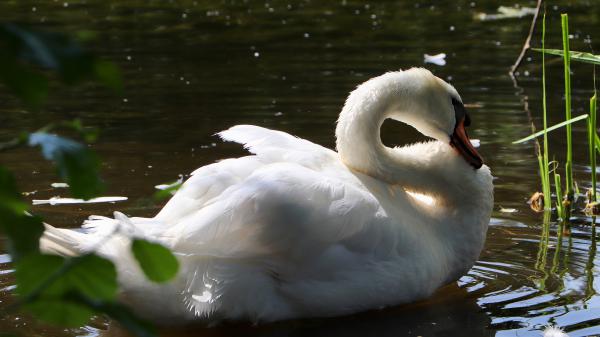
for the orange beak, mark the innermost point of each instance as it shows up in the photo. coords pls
(459, 140)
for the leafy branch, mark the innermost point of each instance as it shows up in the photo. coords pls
(66, 291)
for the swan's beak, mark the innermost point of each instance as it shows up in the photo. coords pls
(459, 140)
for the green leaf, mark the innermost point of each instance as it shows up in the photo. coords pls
(575, 55)
(42, 276)
(108, 73)
(76, 164)
(10, 197)
(20, 45)
(22, 231)
(94, 277)
(28, 86)
(553, 127)
(61, 312)
(33, 273)
(157, 262)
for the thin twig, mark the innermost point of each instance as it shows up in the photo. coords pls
(526, 45)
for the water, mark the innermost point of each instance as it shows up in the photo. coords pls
(194, 68)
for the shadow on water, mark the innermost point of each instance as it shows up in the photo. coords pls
(450, 311)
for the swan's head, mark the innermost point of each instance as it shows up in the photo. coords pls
(415, 97)
(434, 108)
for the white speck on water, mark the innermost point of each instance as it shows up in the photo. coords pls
(256, 54)
(65, 4)
(373, 16)
(59, 185)
(128, 57)
(183, 15)
(526, 73)
(498, 43)
(125, 100)
(306, 35)
(452, 28)
(181, 78)
(33, 9)
(472, 4)
(438, 59)
(149, 166)
(61, 201)
(508, 210)
(187, 82)
(278, 113)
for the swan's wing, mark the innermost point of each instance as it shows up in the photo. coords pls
(205, 184)
(269, 146)
(278, 146)
(280, 209)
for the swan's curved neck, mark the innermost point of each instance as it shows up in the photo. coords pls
(358, 129)
(358, 135)
(431, 168)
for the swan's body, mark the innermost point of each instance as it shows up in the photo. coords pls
(298, 230)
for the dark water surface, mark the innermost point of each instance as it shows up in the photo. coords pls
(192, 68)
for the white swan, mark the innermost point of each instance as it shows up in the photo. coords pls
(298, 230)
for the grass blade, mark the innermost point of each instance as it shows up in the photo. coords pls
(574, 55)
(552, 128)
(567, 70)
(559, 196)
(544, 172)
(591, 145)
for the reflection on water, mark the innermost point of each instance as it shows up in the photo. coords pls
(193, 68)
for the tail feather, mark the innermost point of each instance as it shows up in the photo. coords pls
(60, 241)
(98, 234)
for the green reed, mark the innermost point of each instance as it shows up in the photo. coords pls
(567, 70)
(560, 210)
(591, 130)
(544, 167)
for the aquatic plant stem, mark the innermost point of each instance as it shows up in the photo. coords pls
(545, 173)
(567, 72)
(591, 144)
(527, 44)
(559, 196)
(542, 253)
